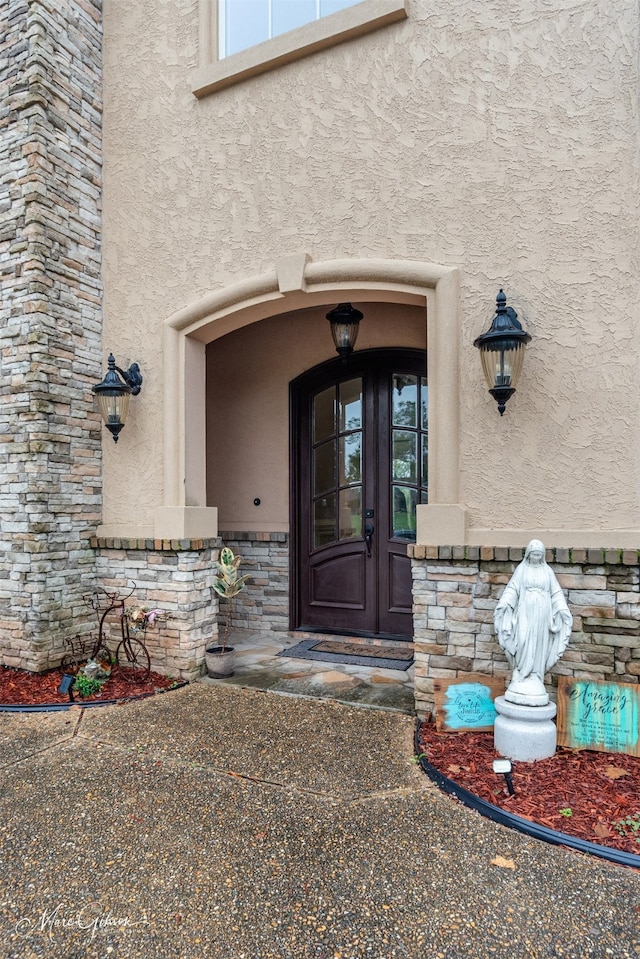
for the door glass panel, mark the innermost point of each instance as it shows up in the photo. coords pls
(350, 405)
(324, 468)
(324, 415)
(404, 456)
(425, 460)
(351, 512)
(324, 521)
(404, 500)
(350, 459)
(405, 400)
(424, 395)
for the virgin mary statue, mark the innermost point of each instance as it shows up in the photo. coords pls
(533, 626)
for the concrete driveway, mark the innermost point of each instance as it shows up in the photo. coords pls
(237, 824)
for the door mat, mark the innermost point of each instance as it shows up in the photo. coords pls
(354, 654)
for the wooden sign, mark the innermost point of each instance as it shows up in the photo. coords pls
(594, 714)
(466, 702)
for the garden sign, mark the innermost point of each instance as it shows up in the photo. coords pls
(594, 714)
(466, 702)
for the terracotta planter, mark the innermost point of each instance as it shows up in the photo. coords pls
(220, 664)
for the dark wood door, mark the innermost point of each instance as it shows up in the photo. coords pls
(360, 444)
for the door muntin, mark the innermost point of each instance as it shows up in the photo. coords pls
(337, 467)
(409, 442)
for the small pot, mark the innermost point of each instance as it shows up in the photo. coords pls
(219, 661)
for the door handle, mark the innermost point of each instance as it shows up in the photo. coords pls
(368, 536)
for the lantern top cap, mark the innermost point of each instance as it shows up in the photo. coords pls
(344, 313)
(504, 326)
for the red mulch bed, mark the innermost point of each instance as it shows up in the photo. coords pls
(596, 790)
(21, 688)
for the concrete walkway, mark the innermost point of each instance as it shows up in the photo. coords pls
(236, 824)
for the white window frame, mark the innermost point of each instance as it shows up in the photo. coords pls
(215, 74)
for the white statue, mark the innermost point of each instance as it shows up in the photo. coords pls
(533, 625)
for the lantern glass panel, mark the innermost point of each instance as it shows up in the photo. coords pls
(502, 367)
(113, 408)
(344, 335)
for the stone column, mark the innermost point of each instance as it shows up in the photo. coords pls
(50, 322)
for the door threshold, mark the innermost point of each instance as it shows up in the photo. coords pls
(367, 639)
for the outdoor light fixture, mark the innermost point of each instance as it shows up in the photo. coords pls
(504, 766)
(113, 394)
(502, 351)
(344, 322)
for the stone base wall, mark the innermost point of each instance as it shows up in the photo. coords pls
(264, 603)
(176, 576)
(456, 590)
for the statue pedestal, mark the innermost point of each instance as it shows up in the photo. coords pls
(524, 733)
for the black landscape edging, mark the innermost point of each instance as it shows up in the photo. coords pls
(511, 821)
(60, 707)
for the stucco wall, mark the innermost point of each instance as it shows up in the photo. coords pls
(248, 376)
(500, 137)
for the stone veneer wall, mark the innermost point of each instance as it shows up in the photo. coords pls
(176, 576)
(264, 604)
(455, 592)
(50, 321)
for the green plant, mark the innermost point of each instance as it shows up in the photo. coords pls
(85, 686)
(629, 827)
(228, 583)
(566, 812)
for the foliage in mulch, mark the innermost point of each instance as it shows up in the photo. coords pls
(18, 687)
(591, 795)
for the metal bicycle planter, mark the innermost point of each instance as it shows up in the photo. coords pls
(130, 658)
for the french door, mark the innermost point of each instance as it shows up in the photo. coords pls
(360, 447)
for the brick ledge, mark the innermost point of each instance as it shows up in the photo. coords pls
(242, 536)
(557, 554)
(155, 545)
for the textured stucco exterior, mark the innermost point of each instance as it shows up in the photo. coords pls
(500, 139)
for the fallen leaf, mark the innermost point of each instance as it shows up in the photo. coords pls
(614, 772)
(602, 830)
(503, 863)
(454, 769)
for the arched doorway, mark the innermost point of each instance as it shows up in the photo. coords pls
(359, 470)
(296, 283)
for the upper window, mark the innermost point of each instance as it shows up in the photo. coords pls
(243, 38)
(245, 23)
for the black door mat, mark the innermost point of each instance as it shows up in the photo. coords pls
(348, 653)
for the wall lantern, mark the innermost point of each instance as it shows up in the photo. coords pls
(502, 352)
(113, 394)
(344, 322)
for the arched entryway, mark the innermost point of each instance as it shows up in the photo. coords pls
(359, 454)
(297, 283)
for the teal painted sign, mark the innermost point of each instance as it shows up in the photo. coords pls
(468, 706)
(599, 715)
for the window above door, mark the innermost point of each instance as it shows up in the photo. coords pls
(243, 38)
(245, 23)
